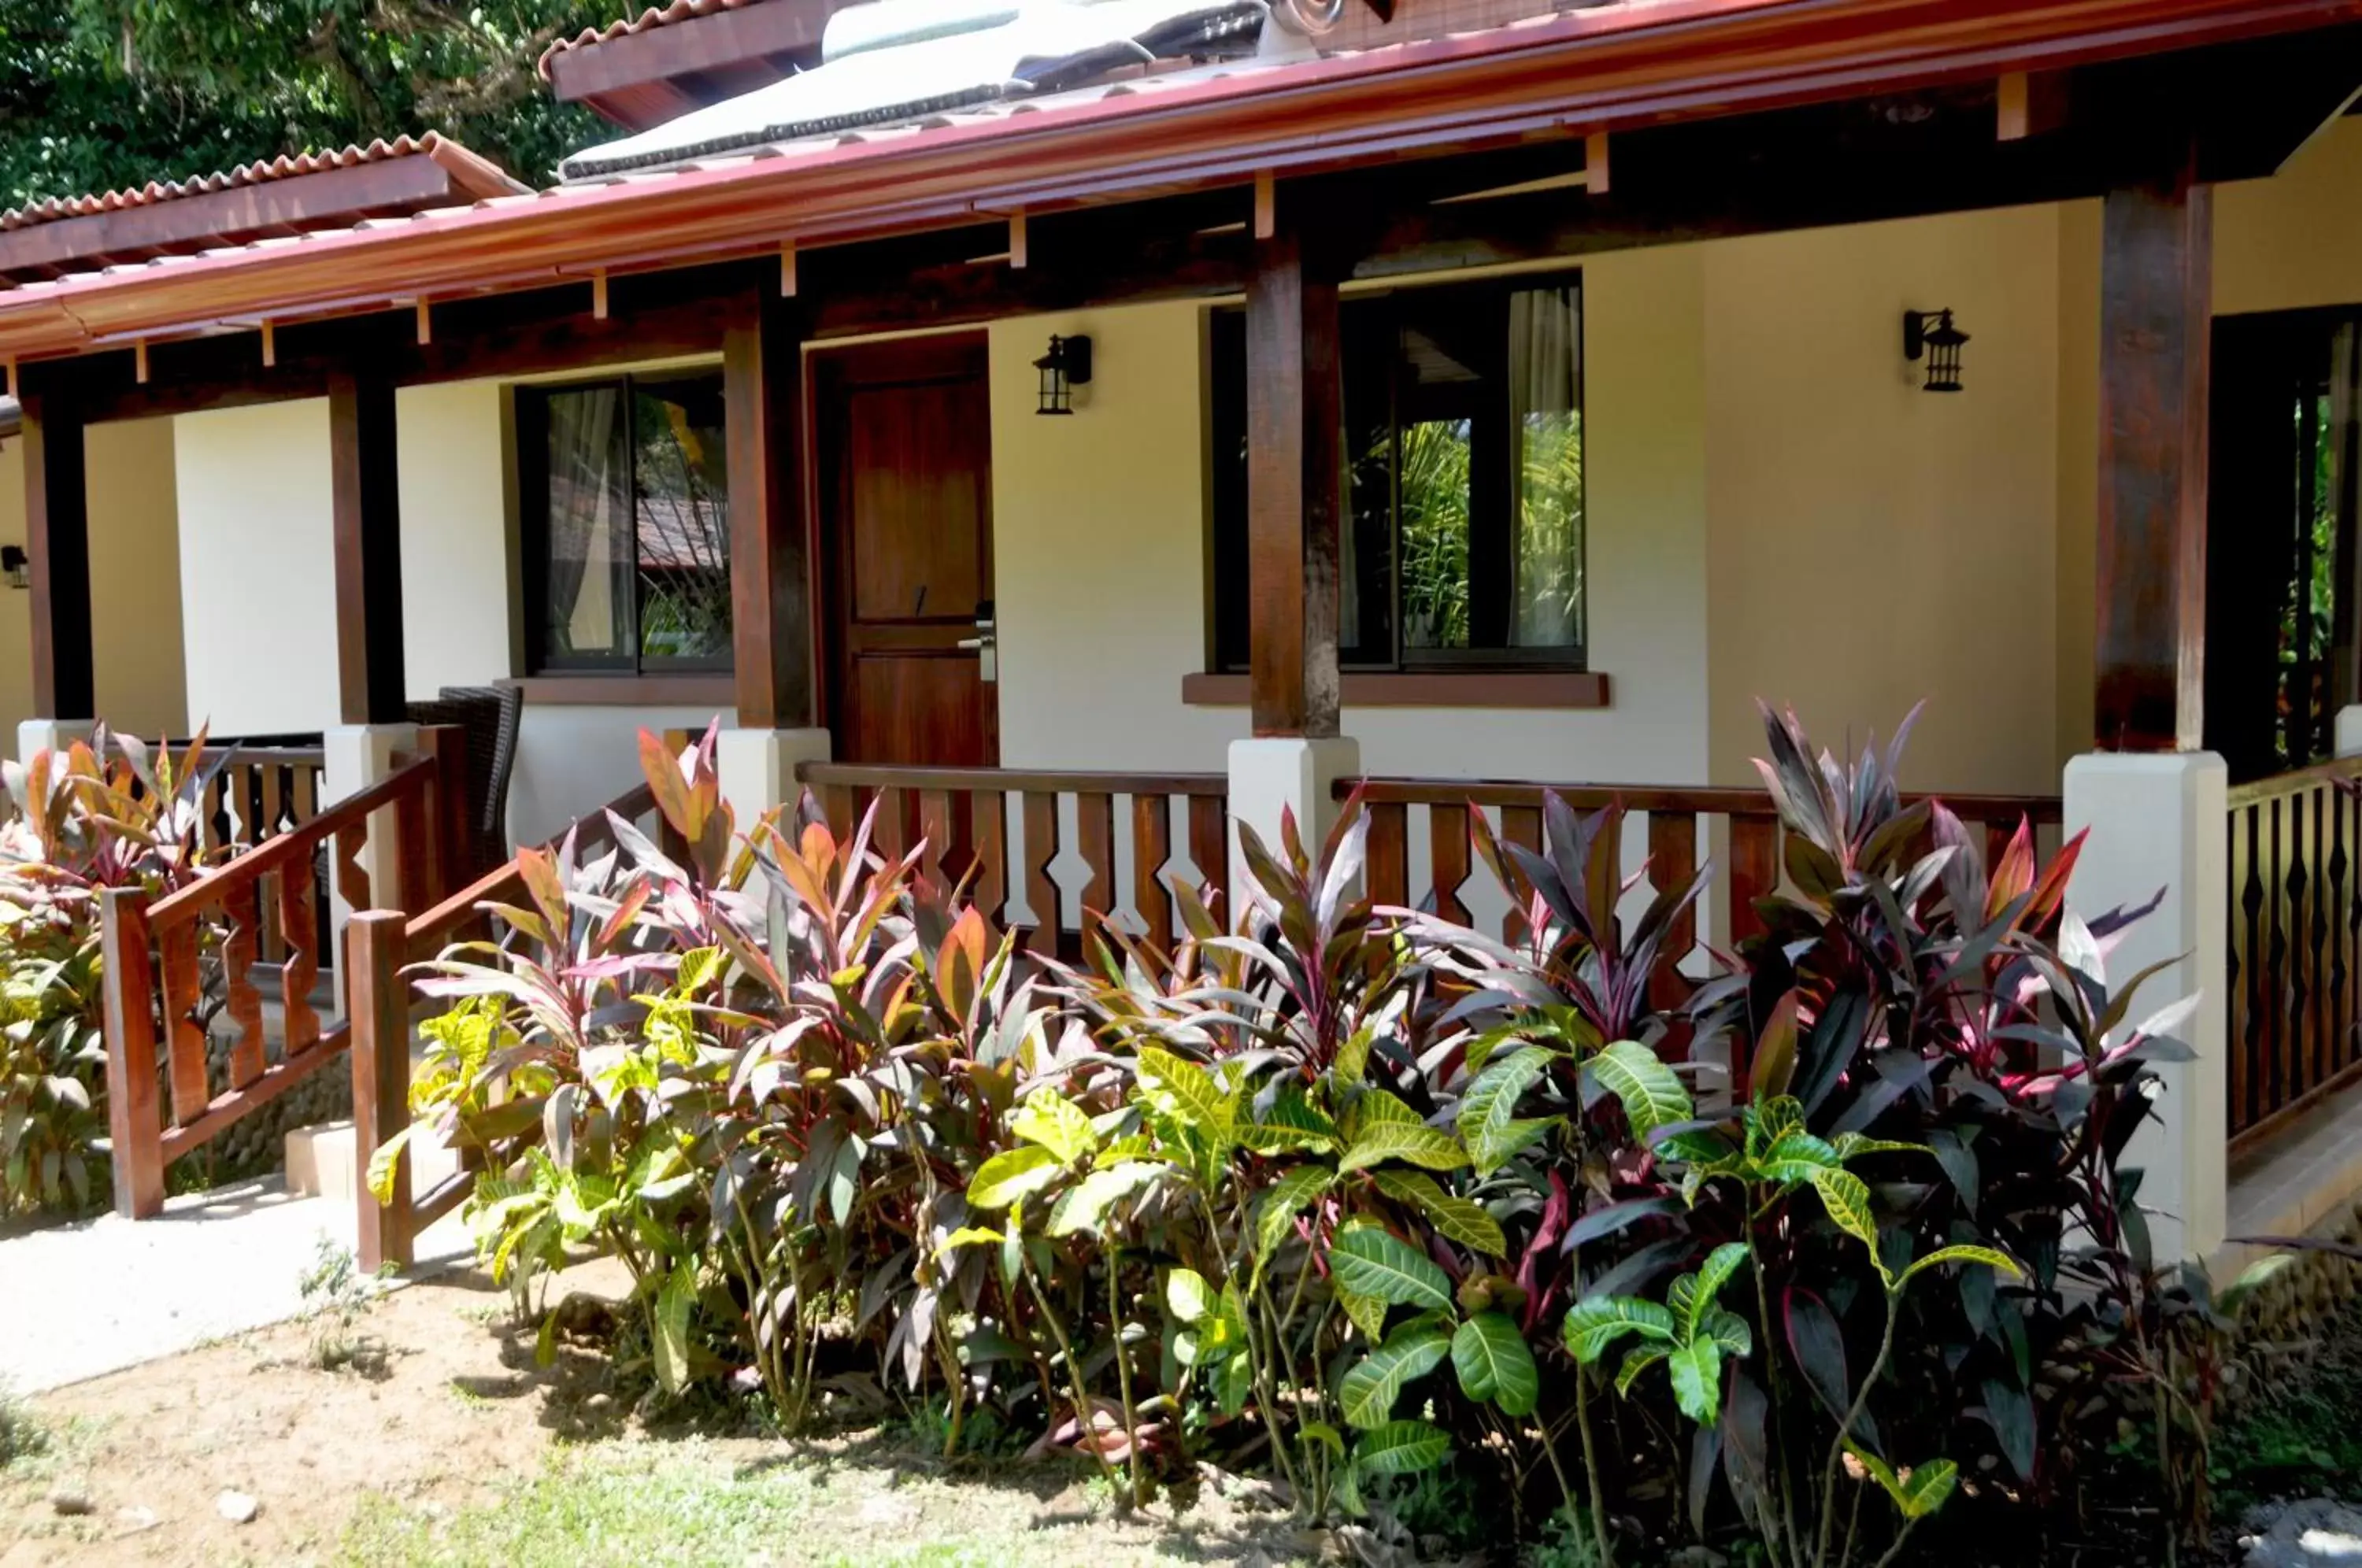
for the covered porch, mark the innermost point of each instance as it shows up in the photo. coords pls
(1770, 501)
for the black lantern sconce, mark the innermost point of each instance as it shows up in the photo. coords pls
(13, 562)
(1930, 335)
(1066, 366)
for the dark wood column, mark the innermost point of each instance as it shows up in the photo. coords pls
(368, 515)
(770, 581)
(56, 551)
(2156, 322)
(1295, 474)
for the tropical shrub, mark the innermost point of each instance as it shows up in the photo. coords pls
(1356, 1192)
(77, 825)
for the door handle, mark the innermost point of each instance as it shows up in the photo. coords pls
(985, 646)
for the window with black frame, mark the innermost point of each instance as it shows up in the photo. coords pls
(1464, 537)
(626, 524)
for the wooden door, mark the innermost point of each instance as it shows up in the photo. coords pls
(905, 444)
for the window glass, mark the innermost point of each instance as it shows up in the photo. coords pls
(681, 499)
(628, 524)
(1546, 404)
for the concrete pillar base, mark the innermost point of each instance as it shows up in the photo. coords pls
(758, 769)
(2157, 821)
(1272, 774)
(35, 737)
(2349, 730)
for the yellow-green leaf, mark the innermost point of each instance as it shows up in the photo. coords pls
(1412, 1142)
(1370, 1385)
(1455, 1219)
(1056, 1123)
(1013, 1175)
(1372, 1262)
(1494, 1362)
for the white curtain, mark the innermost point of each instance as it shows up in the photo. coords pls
(589, 516)
(1546, 406)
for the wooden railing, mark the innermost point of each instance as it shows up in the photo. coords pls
(2295, 953)
(382, 944)
(176, 963)
(1003, 834)
(260, 792)
(1676, 829)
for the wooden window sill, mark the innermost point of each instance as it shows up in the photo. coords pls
(589, 690)
(1429, 689)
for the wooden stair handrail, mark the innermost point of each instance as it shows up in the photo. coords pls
(185, 904)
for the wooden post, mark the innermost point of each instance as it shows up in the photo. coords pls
(2156, 309)
(762, 369)
(368, 522)
(454, 835)
(133, 1115)
(56, 551)
(1295, 475)
(376, 943)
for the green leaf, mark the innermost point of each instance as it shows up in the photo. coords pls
(1847, 1198)
(1494, 1362)
(1651, 1093)
(1370, 1387)
(1637, 1360)
(1488, 1112)
(1056, 1123)
(1188, 1296)
(969, 1236)
(1697, 1369)
(1084, 1206)
(1185, 1092)
(1288, 1195)
(1011, 1176)
(1373, 1107)
(1720, 1265)
(1772, 1120)
(1927, 1488)
(1324, 1434)
(1412, 1142)
(1595, 1323)
(673, 1303)
(1455, 1219)
(1942, 1255)
(1400, 1448)
(1851, 1145)
(1794, 1158)
(1372, 1262)
(1877, 1469)
(381, 1164)
(1367, 1313)
(1354, 1055)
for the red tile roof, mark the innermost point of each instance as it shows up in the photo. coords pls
(478, 177)
(654, 16)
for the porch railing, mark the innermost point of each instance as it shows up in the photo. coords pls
(177, 964)
(1037, 849)
(2295, 953)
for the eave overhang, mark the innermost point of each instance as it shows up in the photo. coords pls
(1566, 76)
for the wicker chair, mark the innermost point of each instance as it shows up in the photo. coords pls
(490, 717)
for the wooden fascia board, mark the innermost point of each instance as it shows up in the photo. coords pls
(295, 201)
(1570, 75)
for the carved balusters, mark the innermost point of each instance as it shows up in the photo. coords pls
(1386, 866)
(184, 1030)
(1152, 846)
(352, 882)
(1673, 862)
(299, 925)
(1095, 842)
(989, 823)
(242, 912)
(934, 835)
(1041, 896)
(1210, 846)
(1447, 858)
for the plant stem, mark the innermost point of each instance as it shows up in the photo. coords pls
(1590, 1469)
(1087, 1427)
(1836, 1449)
(1780, 1537)
(1901, 1536)
(1123, 1373)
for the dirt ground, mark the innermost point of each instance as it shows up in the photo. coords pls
(408, 1460)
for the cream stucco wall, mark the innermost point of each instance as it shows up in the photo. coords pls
(456, 587)
(15, 608)
(2294, 240)
(1873, 545)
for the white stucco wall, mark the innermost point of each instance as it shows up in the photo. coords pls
(15, 607)
(456, 590)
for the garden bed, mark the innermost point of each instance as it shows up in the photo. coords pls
(458, 1449)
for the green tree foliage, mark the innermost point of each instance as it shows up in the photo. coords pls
(100, 95)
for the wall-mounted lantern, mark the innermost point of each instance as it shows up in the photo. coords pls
(16, 565)
(1929, 334)
(1066, 366)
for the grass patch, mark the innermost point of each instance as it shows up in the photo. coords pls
(605, 1503)
(2301, 1437)
(21, 1436)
